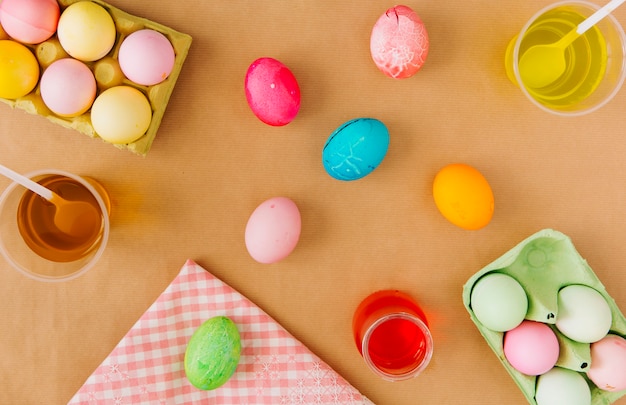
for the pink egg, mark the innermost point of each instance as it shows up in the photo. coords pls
(146, 57)
(29, 21)
(608, 363)
(272, 92)
(273, 230)
(531, 348)
(68, 87)
(399, 42)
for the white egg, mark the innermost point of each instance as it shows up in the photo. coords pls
(561, 386)
(583, 314)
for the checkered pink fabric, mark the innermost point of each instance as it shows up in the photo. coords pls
(146, 367)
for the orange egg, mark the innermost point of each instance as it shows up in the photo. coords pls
(463, 196)
(19, 70)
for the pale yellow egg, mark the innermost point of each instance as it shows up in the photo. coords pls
(86, 31)
(121, 114)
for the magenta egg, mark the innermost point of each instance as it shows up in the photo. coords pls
(272, 91)
(399, 42)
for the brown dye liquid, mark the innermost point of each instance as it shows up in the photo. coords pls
(35, 219)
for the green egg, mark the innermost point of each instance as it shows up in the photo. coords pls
(213, 353)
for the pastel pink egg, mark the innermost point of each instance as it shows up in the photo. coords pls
(273, 230)
(272, 91)
(531, 348)
(608, 363)
(29, 21)
(399, 42)
(146, 57)
(68, 87)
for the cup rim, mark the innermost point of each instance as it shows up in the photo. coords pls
(411, 373)
(105, 231)
(594, 7)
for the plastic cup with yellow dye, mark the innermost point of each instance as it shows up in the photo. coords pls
(595, 62)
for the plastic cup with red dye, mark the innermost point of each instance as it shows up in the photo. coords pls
(391, 333)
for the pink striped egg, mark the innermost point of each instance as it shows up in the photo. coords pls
(399, 42)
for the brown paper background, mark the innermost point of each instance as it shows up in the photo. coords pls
(213, 162)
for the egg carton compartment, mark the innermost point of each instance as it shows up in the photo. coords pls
(543, 264)
(108, 74)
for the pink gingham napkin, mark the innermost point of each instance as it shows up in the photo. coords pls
(146, 367)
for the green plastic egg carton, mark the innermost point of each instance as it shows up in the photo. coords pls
(543, 264)
(108, 74)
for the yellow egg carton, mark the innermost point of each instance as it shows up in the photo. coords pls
(543, 264)
(108, 74)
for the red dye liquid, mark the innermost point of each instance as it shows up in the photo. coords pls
(397, 345)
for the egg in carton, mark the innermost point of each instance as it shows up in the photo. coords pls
(544, 264)
(108, 74)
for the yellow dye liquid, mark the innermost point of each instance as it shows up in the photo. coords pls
(35, 219)
(586, 58)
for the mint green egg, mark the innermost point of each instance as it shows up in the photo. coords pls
(499, 302)
(213, 353)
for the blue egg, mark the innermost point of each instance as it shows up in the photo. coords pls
(355, 149)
